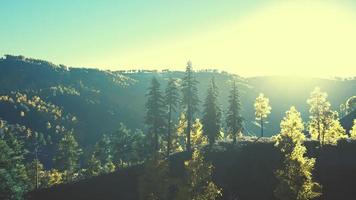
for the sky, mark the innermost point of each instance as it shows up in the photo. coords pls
(250, 38)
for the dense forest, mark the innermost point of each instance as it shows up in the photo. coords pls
(146, 134)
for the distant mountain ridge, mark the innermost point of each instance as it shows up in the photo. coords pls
(100, 100)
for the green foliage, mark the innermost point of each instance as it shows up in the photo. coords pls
(67, 156)
(190, 100)
(262, 109)
(197, 184)
(103, 149)
(323, 124)
(94, 167)
(127, 146)
(198, 138)
(52, 177)
(233, 116)
(155, 115)
(13, 176)
(212, 114)
(35, 173)
(171, 101)
(295, 177)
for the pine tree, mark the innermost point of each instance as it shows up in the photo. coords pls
(94, 167)
(190, 100)
(35, 173)
(103, 150)
(295, 177)
(262, 109)
(323, 124)
(127, 146)
(155, 115)
(13, 175)
(171, 100)
(212, 114)
(67, 156)
(234, 119)
(198, 184)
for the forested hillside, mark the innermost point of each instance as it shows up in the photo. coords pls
(64, 125)
(100, 100)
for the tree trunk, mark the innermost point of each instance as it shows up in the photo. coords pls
(261, 127)
(36, 154)
(189, 147)
(169, 140)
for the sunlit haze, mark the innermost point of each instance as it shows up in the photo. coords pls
(311, 38)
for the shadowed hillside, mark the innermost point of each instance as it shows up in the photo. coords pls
(244, 172)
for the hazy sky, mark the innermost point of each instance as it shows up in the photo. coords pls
(250, 38)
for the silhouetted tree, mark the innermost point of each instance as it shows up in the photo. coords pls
(171, 100)
(233, 118)
(212, 114)
(190, 100)
(155, 115)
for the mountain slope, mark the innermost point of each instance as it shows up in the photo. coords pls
(100, 100)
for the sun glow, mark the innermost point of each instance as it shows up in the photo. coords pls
(310, 38)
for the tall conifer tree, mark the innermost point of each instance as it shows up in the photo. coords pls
(233, 118)
(212, 114)
(190, 100)
(68, 154)
(171, 98)
(155, 115)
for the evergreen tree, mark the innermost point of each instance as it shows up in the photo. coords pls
(234, 119)
(13, 176)
(212, 114)
(67, 156)
(94, 167)
(103, 150)
(295, 177)
(198, 138)
(323, 124)
(197, 184)
(262, 109)
(190, 100)
(36, 142)
(171, 100)
(127, 146)
(35, 173)
(155, 115)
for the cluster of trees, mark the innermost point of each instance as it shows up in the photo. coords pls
(22, 148)
(295, 176)
(161, 106)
